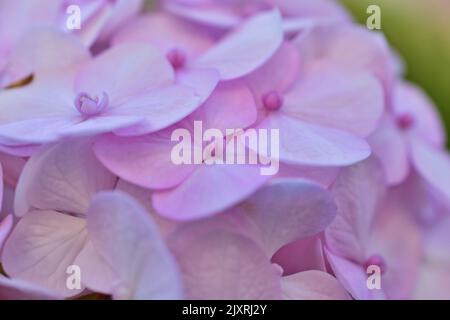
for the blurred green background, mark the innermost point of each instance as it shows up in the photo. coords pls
(420, 32)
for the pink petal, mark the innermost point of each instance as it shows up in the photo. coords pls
(358, 192)
(398, 239)
(43, 48)
(352, 277)
(14, 289)
(307, 144)
(193, 198)
(323, 176)
(410, 100)
(172, 34)
(6, 226)
(231, 106)
(41, 248)
(434, 278)
(160, 108)
(313, 9)
(147, 70)
(96, 14)
(122, 12)
(432, 164)
(12, 167)
(97, 275)
(390, 146)
(313, 285)
(210, 15)
(336, 99)
(127, 239)
(288, 210)
(301, 255)
(236, 56)
(277, 74)
(61, 177)
(352, 48)
(143, 196)
(217, 264)
(143, 160)
(40, 111)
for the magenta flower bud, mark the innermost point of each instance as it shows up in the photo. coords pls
(376, 260)
(273, 101)
(176, 57)
(405, 121)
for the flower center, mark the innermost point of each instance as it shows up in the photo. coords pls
(376, 260)
(91, 105)
(176, 57)
(272, 101)
(405, 121)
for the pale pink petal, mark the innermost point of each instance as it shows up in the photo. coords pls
(301, 255)
(246, 48)
(114, 73)
(38, 112)
(97, 275)
(122, 12)
(173, 34)
(211, 15)
(231, 106)
(432, 164)
(217, 264)
(12, 167)
(159, 109)
(353, 278)
(358, 193)
(324, 176)
(313, 285)
(20, 151)
(412, 101)
(41, 248)
(390, 147)
(307, 144)
(145, 160)
(434, 278)
(62, 177)
(5, 228)
(397, 238)
(352, 48)
(288, 210)
(209, 190)
(14, 289)
(277, 74)
(336, 99)
(96, 14)
(313, 9)
(165, 226)
(125, 236)
(42, 49)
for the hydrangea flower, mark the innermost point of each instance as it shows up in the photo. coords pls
(90, 119)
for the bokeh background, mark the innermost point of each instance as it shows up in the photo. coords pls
(419, 30)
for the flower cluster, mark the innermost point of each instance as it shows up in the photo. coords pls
(93, 202)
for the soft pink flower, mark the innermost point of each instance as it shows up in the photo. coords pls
(411, 137)
(372, 230)
(104, 94)
(55, 198)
